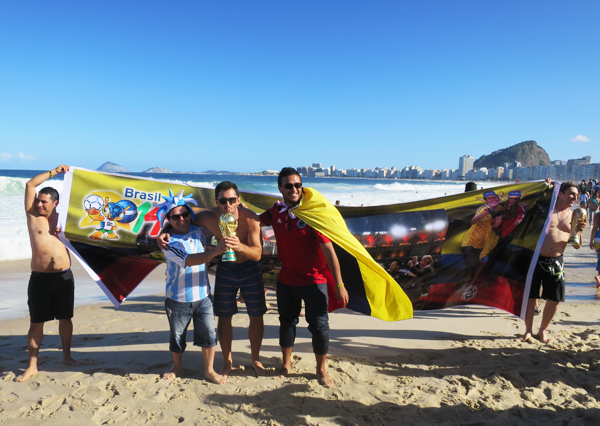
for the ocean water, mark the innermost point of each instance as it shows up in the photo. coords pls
(350, 192)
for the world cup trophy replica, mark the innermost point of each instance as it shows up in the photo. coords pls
(228, 225)
(579, 216)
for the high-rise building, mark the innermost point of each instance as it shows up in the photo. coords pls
(465, 163)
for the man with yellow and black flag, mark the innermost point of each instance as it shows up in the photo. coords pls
(308, 229)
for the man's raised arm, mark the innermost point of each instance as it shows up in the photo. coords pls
(37, 180)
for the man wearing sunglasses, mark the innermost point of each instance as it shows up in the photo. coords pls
(187, 294)
(244, 274)
(305, 256)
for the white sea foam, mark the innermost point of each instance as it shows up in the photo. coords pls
(12, 186)
(391, 193)
(13, 223)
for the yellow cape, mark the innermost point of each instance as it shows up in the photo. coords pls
(386, 298)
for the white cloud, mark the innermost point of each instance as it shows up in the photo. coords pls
(580, 138)
(7, 157)
(24, 157)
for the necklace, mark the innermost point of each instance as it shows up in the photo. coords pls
(563, 219)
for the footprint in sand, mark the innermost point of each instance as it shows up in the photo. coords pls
(9, 397)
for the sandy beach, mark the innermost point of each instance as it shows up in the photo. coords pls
(451, 367)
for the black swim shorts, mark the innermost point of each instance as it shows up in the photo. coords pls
(549, 275)
(50, 295)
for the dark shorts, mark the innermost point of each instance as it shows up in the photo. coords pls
(247, 277)
(50, 295)
(549, 275)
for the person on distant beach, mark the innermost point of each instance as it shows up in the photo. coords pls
(51, 288)
(549, 276)
(583, 199)
(595, 244)
(245, 274)
(187, 293)
(305, 256)
(470, 186)
(592, 207)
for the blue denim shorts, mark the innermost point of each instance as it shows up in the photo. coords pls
(180, 314)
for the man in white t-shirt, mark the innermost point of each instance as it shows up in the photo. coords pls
(187, 286)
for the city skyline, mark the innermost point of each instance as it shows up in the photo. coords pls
(561, 170)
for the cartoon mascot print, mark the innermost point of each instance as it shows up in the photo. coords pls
(109, 214)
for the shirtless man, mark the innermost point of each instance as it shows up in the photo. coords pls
(51, 287)
(244, 274)
(549, 271)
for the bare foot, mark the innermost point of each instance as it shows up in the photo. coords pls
(597, 278)
(226, 370)
(70, 361)
(30, 372)
(326, 380)
(258, 368)
(526, 337)
(214, 377)
(284, 371)
(543, 337)
(172, 373)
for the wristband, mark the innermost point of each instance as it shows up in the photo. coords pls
(51, 175)
(341, 285)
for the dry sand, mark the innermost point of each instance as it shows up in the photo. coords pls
(456, 366)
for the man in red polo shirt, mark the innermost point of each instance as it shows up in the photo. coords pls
(305, 256)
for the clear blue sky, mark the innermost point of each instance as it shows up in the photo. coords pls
(254, 85)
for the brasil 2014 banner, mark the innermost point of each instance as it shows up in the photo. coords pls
(472, 248)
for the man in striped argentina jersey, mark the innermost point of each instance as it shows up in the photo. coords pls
(188, 289)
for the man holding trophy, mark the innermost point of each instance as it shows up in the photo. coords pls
(549, 276)
(238, 268)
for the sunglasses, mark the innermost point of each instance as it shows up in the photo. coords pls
(224, 201)
(183, 215)
(289, 186)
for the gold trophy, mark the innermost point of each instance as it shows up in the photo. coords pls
(579, 217)
(228, 225)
